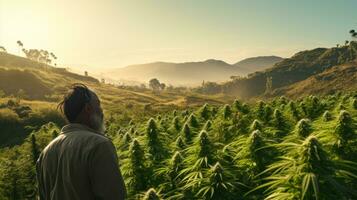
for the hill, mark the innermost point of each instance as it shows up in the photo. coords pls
(337, 78)
(36, 80)
(192, 73)
(254, 64)
(292, 70)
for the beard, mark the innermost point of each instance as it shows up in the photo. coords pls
(97, 123)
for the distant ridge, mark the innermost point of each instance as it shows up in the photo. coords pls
(192, 73)
(258, 63)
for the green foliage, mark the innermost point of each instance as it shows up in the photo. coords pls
(151, 194)
(327, 116)
(303, 128)
(293, 110)
(204, 146)
(54, 133)
(279, 120)
(227, 111)
(344, 127)
(307, 166)
(204, 111)
(256, 125)
(207, 126)
(175, 124)
(179, 143)
(267, 113)
(260, 110)
(217, 151)
(135, 169)
(34, 149)
(187, 134)
(354, 103)
(193, 122)
(219, 184)
(155, 146)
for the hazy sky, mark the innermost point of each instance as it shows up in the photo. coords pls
(99, 34)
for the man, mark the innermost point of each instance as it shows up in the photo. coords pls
(81, 163)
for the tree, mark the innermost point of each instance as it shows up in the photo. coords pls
(20, 44)
(353, 33)
(269, 85)
(154, 84)
(54, 57)
(346, 42)
(162, 86)
(85, 73)
(2, 49)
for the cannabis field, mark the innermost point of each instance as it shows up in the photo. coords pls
(278, 149)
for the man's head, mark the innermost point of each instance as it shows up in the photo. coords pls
(81, 105)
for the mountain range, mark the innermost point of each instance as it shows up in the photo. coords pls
(316, 71)
(192, 73)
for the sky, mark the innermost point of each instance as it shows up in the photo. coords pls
(104, 34)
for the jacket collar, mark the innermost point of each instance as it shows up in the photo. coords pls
(77, 127)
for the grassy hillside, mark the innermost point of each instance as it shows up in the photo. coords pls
(338, 78)
(292, 70)
(37, 80)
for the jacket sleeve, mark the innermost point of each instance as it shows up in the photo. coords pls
(106, 180)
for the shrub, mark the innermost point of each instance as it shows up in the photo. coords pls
(354, 103)
(186, 132)
(256, 125)
(227, 111)
(303, 128)
(279, 120)
(204, 111)
(192, 120)
(135, 169)
(151, 194)
(327, 116)
(179, 143)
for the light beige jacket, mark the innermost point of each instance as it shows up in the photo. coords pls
(79, 164)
